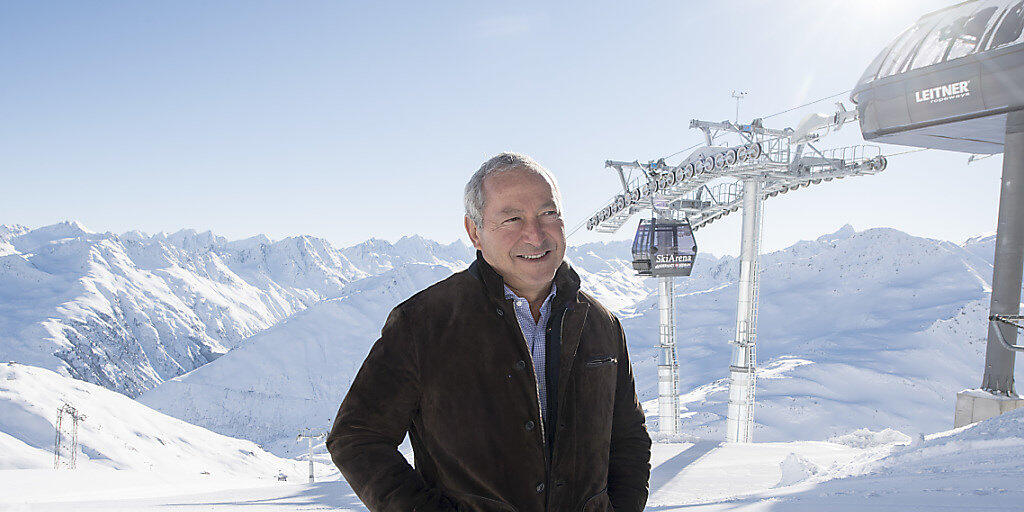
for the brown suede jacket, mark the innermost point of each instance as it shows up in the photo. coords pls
(452, 368)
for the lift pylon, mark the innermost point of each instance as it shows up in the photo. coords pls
(65, 446)
(739, 426)
(309, 436)
(710, 183)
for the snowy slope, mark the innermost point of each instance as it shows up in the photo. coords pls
(130, 311)
(868, 329)
(856, 329)
(117, 432)
(293, 375)
(974, 468)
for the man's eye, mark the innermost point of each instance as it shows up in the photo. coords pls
(551, 212)
(511, 219)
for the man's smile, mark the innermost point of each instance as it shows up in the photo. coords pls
(534, 257)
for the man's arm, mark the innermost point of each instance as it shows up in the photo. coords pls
(372, 421)
(629, 467)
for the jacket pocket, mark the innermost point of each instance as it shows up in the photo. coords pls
(600, 360)
(598, 502)
(475, 503)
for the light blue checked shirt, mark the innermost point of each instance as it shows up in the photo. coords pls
(536, 339)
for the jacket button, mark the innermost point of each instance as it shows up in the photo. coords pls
(509, 376)
(499, 311)
(540, 487)
(520, 364)
(561, 426)
(529, 425)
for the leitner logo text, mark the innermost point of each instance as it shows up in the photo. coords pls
(944, 92)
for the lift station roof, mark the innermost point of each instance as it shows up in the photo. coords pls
(948, 81)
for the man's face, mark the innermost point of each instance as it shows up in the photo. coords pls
(522, 236)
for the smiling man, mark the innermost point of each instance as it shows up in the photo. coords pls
(514, 386)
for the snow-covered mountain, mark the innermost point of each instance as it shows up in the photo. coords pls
(375, 256)
(116, 432)
(293, 375)
(871, 329)
(130, 311)
(874, 329)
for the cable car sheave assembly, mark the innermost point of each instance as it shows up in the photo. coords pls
(953, 81)
(710, 183)
(783, 159)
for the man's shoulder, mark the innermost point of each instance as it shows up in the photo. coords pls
(442, 295)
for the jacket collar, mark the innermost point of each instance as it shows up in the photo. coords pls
(567, 281)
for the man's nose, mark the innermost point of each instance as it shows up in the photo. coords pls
(532, 233)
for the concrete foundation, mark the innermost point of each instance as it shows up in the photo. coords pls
(974, 405)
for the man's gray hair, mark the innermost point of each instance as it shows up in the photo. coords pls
(503, 162)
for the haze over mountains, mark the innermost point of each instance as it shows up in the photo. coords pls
(869, 329)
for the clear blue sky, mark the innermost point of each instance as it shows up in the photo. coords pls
(348, 120)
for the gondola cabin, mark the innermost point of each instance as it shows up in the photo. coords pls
(664, 248)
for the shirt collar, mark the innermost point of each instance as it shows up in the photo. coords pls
(509, 294)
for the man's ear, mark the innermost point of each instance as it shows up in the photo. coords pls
(471, 230)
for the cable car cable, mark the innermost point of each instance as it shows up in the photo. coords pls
(808, 104)
(918, 150)
(578, 226)
(766, 117)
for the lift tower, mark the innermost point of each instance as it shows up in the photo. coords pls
(65, 445)
(951, 81)
(710, 183)
(309, 436)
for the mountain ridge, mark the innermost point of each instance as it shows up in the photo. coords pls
(129, 311)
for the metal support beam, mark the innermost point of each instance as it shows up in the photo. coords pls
(622, 179)
(1009, 256)
(668, 367)
(740, 420)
